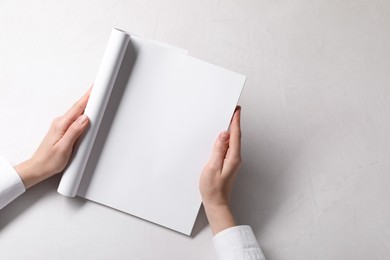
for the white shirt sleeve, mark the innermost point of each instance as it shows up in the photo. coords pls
(11, 186)
(237, 243)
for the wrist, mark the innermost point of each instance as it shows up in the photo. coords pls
(28, 173)
(220, 217)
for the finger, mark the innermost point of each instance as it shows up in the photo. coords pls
(219, 151)
(74, 131)
(234, 152)
(76, 110)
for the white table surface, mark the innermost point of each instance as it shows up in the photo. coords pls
(314, 183)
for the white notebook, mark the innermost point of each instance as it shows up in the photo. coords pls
(155, 113)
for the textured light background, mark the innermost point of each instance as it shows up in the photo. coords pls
(315, 179)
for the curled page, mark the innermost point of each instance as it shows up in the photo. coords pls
(97, 103)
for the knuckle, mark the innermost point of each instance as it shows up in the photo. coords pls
(66, 122)
(210, 167)
(236, 161)
(56, 123)
(221, 147)
(61, 149)
(60, 124)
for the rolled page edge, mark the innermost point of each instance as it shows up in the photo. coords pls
(95, 108)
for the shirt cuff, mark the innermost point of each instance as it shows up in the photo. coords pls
(237, 242)
(11, 186)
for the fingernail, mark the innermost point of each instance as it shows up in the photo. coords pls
(82, 119)
(224, 137)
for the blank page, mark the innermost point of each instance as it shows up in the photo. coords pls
(164, 114)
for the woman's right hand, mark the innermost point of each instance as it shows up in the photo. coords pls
(219, 175)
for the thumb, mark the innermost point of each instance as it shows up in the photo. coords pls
(221, 147)
(75, 130)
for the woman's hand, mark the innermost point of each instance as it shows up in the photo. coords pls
(54, 153)
(218, 176)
